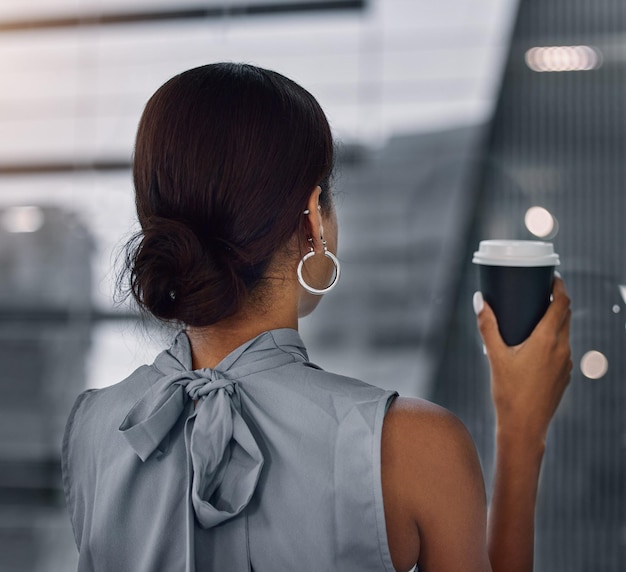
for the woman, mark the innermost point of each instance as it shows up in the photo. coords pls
(232, 451)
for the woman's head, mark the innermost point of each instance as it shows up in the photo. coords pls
(226, 158)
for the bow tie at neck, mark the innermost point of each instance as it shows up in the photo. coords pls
(202, 385)
(225, 459)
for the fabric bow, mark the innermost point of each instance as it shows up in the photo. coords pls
(226, 460)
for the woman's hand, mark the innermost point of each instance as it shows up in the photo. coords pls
(528, 380)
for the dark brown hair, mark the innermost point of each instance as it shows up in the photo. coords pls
(225, 160)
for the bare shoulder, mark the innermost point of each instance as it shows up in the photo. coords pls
(433, 487)
(414, 414)
(421, 426)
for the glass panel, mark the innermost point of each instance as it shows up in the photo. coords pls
(554, 169)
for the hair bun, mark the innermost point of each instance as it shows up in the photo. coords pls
(177, 277)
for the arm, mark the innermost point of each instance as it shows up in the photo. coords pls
(527, 383)
(433, 489)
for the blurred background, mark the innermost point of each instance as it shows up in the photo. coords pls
(458, 120)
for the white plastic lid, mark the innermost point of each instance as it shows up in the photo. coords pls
(516, 253)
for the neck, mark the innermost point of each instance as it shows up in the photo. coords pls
(211, 344)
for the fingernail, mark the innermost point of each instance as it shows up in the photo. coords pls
(478, 302)
(557, 274)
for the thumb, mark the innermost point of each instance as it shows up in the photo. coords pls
(487, 324)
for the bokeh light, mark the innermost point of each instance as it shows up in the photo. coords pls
(563, 58)
(540, 222)
(22, 219)
(594, 364)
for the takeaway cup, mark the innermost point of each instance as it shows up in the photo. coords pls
(516, 281)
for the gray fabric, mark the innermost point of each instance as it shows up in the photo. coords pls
(277, 468)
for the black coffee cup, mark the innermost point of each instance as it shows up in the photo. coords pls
(516, 279)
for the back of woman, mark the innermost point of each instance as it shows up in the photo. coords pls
(295, 487)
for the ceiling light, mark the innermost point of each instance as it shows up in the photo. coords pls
(563, 58)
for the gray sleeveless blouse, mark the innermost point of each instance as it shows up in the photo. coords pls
(277, 468)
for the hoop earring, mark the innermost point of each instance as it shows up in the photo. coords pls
(327, 254)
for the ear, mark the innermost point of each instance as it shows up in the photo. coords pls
(313, 224)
